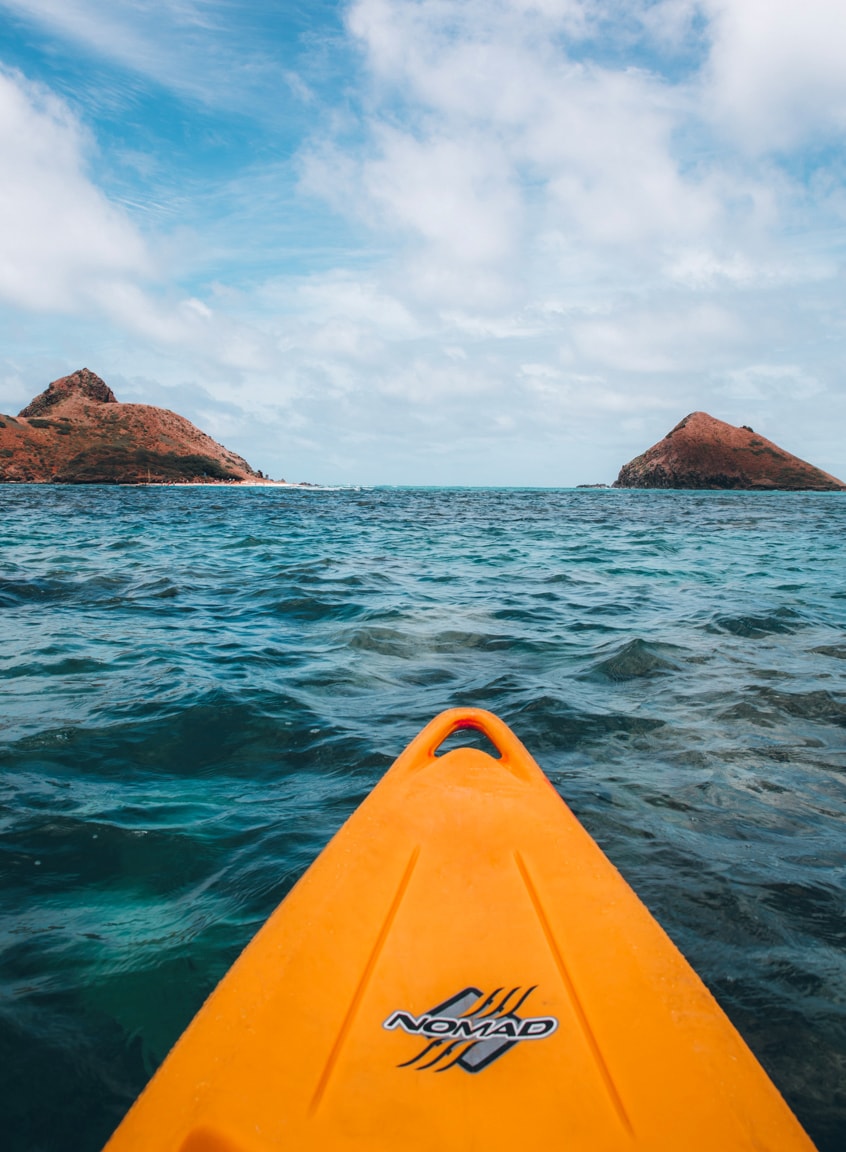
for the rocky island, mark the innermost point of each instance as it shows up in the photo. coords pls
(702, 452)
(77, 432)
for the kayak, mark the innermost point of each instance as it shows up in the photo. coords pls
(461, 968)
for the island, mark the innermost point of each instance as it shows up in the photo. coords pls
(77, 432)
(703, 452)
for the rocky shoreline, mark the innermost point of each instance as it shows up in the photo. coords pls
(701, 452)
(77, 432)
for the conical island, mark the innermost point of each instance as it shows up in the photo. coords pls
(77, 432)
(702, 452)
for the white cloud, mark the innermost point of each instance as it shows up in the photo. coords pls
(701, 268)
(66, 249)
(62, 244)
(771, 381)
(776, 74)
(670, 24)
(455, 194)
(497, 105)
(357, 301)
(180, 44)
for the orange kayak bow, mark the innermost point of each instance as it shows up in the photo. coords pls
(461, 968)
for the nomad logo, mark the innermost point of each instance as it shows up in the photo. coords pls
(471, 1030)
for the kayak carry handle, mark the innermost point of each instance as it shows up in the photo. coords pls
(423, 749)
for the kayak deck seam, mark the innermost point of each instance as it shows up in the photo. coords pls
(343, 1031)
(570, 987)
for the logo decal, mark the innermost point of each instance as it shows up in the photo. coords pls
(471, 1030)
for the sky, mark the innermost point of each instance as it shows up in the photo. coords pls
(431, 241)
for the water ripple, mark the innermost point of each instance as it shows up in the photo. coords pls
(201, 685)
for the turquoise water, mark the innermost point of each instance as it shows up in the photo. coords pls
(199, 685)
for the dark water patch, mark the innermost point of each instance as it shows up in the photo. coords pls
(411, 643)
(69, 851)
(19, 592)
(566, 578)
(89, 1069)
(751, 711)
(250, 542)
(768, 707)
(734, 918)
(787, 1042)
(125, 545)
(84, 583)
(638, 659)
(520, 616)
(780, 622)
(822, 706)
(67, 666)
(385, 641)
(316, 572)
(811, 908)
(160, 588)
(837, 651)
(434, 677)
(659, 800)
(310, 609)
(553, 724)
(128, 998)
(41, 592)
(216, 732)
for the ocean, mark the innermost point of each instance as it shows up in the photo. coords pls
(200, 684)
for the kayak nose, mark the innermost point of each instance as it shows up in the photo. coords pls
(423, 750)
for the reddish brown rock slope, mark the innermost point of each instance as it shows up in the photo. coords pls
(701, 452)
(76, 432)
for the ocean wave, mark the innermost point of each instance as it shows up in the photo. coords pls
(200, 686)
